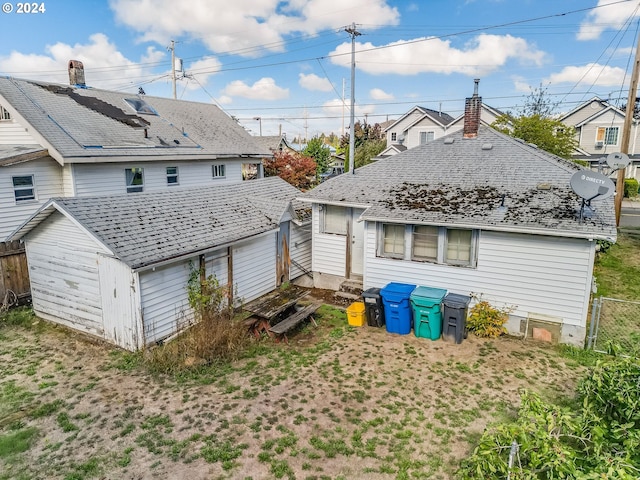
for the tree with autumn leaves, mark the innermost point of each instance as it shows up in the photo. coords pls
(293, 167)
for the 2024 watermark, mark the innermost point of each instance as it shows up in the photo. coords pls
(24, 8)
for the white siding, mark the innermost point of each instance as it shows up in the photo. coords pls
(537, 274)
(68, 186)
(63, 268)
(329, 251)
(109, 178)
(120, 295)
(47, 181)
(217, 264)
(254, 267)
(300, 250)
(12, 133)
(165, 303)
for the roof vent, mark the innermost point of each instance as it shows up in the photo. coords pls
(487, 146)
(544, 186)
(449, 140)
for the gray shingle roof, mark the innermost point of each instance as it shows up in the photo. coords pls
(11, 154)
(88, 122)
(441, 117)
(463, 183)
(143, 229)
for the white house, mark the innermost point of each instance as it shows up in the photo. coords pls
(117, 267)
(76, 141)
(475, 211)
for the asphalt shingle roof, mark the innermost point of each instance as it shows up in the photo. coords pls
(143, 229)
(88, 122)
(462, 182)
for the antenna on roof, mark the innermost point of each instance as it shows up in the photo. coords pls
(591, 186)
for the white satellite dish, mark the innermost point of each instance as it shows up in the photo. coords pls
(592, 185)
(617, 160)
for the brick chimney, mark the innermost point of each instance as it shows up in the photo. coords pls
(76, 73)
(472, 109)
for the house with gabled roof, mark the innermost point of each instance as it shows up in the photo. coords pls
(117, 267)
(474, 211)
(74, 141)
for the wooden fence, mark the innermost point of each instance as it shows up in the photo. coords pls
(14, 274)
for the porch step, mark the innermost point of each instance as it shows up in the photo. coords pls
(351, 286)
(346, 298)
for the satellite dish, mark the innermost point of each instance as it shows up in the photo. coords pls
(592, 185)
(617, 160)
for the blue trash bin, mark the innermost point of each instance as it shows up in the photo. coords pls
(397, 307)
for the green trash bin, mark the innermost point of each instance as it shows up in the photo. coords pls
(427, 312)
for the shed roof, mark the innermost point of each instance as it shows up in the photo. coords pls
(461, 182)
(88, 124)
(143, 229)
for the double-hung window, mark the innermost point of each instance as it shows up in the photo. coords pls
(426, 137)
(334, 220)
(459, 249)
(607, 136)
(23, 188)
(172, 176)
(425, 243)
(393, 240)
(134, 179)
(218, 171)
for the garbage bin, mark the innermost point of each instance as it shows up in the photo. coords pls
(355, 314)
(455, 317)
(427, 312)
(397, 309)
(373, 307)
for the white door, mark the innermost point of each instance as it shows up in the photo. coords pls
(357, 243)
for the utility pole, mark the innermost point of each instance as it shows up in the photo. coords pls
(343, 105)
(626, 130)
(173, 67)
(352, 138)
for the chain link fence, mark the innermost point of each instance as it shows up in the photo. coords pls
(615, 323)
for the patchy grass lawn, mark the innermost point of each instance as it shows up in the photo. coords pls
(337, 402)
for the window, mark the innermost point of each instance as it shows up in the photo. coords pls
(23, 188)
(334, 220)
(425, 243)
(392, 240)
(426, 137)
(218, 171)
(4, 114)
(459, 247)
(429, 244)
(135, 179)
(393, 136)
(172, 176)
(607, 136)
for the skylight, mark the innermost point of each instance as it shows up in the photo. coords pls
(140, 106)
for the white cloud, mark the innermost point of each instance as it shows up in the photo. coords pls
(202, 70)
(224, 100)
(590, 74)
(263, 89)
(246, 27)
(334, 108)
(379, 94)
(520, 84)
(481, 56)
(611, 14)
(314, 82)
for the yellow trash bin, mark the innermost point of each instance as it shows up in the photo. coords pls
(356, 314)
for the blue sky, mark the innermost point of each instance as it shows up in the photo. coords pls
(288, 62)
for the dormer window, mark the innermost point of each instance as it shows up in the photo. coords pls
(4, 114)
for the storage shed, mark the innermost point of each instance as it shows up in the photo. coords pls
(117, 267)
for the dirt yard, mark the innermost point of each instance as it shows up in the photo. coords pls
(337, 402)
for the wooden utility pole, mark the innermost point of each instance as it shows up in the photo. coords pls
(626, 130)
(352, 137)
(173, 67)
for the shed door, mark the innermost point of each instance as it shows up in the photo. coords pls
(283, 262)
(357, 243)
(118, 297)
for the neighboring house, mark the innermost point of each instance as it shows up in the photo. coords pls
(74, 141)
(274, 143)
(475, 211)
(117, 267)
(599, 127)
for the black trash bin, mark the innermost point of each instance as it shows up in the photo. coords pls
(373, 307)
(454, 321)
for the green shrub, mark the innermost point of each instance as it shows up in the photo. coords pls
(630, 187)
(488, 321)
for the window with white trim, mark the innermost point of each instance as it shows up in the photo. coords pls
(459, 248)
(425, 243)
(218, 170)
(172, 176)
(392, 240)
(334, 220)
(4, 114)
(23, 188)
(135, 179)
(426, 137)
(607, 136)
(394, 136)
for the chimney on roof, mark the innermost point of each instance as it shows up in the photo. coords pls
(76, 73)
(472, 108)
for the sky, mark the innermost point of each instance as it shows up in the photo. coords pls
(285, 66)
